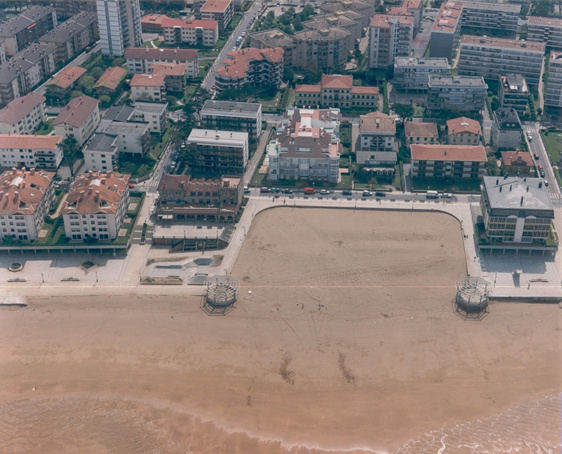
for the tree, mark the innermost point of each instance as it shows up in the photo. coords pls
(96, 72)
(312, 75)
(72, 152)
(288, 75)
(543, 8)
(270, 17)
(404, 111)
(297, 24)
(118, 62)
(105, 100)
(86, 82)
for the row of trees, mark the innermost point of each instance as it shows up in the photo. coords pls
(289, 22)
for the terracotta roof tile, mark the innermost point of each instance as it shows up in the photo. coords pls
(66, 77)
(463, 125)
(377, 121)
(190, 23)
(238, 62)
(22, 190)
(336, 81)
(148, 80)
(156, 53)
(28, 142)
(111, 78)
(308, 89)
(509, 157)
(412, 129)
(17, 109)
(77, 111)
(216, 6)
(464, 153)
(168, 69)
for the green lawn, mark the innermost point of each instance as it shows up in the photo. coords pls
(273, 104)
(45, 128)
(552, 142)
(136, 167)
(159, 148)
(441, 185)
(188, 93)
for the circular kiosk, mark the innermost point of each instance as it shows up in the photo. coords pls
(472, 297)
(221, 293)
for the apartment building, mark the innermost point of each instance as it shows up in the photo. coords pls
(463, 131)
(174, 76)
(412, 74)
(21, 73)
(377, 132)
(233, 116)
(250, 66)
(304, 152)
(491, 16)
(412, 8)
(325, 48)
(148, 87)
(95, 206)
(68, 8)
(217, 10)
(338, 8)
(110, 80)
(132, 138)
(23, 115)
(25, 199)
(492, 57)
(514, 92)
(200, 33)
(420, 133)
(364, 8)
(79, 119)
(27, 27)
(459, 93)
(182, 197)
(139, 59)
(74, 35)
(20, 150)
(276, 38)
(546, 30)
(223, 152)
(553, 93)
(452, 161)
(518, 163)
(152, 113)
(2, 52)
(152, 23)
(516, 210)
(389, 37)
(101, 153)
(337, 91)
(446, 31)
(119, 26)
(65, 80)
(305, 121)
(326, 21)
(506, 129)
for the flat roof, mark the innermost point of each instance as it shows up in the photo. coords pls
(102, 142)
(190, 23)
(274, 38)
(433, 62)
(122, 127)
(216, 6)
(324, 34)
(503, 43)
(150, 107)
(517, 193)
(545, 21)
(212, 135)
(384, 20)
(157, 53)
(451, 81)
(230, 108)
(119, 113)
(500, 7)
(448, 17)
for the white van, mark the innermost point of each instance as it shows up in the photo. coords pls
(432, 194)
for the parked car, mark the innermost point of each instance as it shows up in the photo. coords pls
(324, 191)
(541, 173)
(367, 193)
(536, 155)
(347, 192)
(545, 183)
(446, 195)
(246, 190)
(380, 194)
(287, 191)
(264, 190)
(131, 185)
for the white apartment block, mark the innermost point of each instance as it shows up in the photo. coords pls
(23, 115)
(459, 93)
(377, 133)
(101, 153)
(233, 116)
(79, 119)
(130, 136)
(140, 59)
(491, 16)
(30, 151)
(148, 87)
(25, 199)
(190, 31)
(389, 37)
(492, 57)
(412, 74)
(95, 206)
(453, 161)
(152, 113)
(547, 30)
(553, 94)
(223, 152)
(119, 26)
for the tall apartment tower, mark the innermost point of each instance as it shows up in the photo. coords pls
(119, 25)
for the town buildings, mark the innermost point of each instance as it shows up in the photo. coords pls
(23, 115)
(516, 210)
(101, 153)
(412, 74)
(152, 23)
(553, 93)
(337, 91)
(181, 197)
(326, 21)
(459, 93)
(95, 206)
(110, 80)
(68, 8)
(148, 87)
(152, 113)
(25, 70)
(446, 30)
(389, 37)
(73, 36)
(518, 163)
(140, 59)
(119, 26)
(547, 30)
(324, 48)
(506, 129)
(377, 132)
(492, 57)
(17, 150)
(514, 92)
(27, 27)
(217, 10)
(276, 38)
(452, 161)
(491, 16)
(339, 8)
(250, 66)
(79, 119)
(222, 152)
(65, 80)
(174, 76)
(463, 131)
(303, 121)
(420, 133)
(412, 8)
(131, 137)
(25, 199)
(233, 116)
(190, 31)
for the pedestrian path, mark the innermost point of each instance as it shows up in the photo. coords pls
(554, 196)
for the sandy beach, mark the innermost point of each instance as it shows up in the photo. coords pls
(348, 340)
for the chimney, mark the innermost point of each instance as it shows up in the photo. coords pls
(32, 171)
(90, 190)
(103, 180)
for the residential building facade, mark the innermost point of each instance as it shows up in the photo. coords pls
(459, 93)
(546, 30)
(446, 31)
(148, 87)
(152, 113)
(223, 152)
(174, 76)
(101, 153)
(337, 91)
(25, 199)
(452, 161)
(119, 26)
(220, 11)
(377, 132)
(553, 93)
(78, 119)
(201, 33)
(23, 115)
(95, 206)
(514, 92)
(463, 131)
(30, 151)
(506, 129)
(65, 80)
(110, 80)
(412, 74)
(276, 38)
(492, 57)
(326, 48)
(325, 21)
(420, 133)
(389, 37)
(131, 137)
(139, 59)
(233, 116)
(518, 163)
(491, 16)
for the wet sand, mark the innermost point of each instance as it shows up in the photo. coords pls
(348, 340)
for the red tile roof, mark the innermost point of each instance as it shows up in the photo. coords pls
(357, 90)
(336, 81)
(157, 53)
(148, 80)
(153, 20)
(238, 62)
(463, 125)
(413, 129)
(308, 89)
(168, 69)
(111, 78)
(66, 77)
(190, 23)
(76, 111)
(22, 190)
(17, 109)
(27, 142)
(216, 6)
(464, 153)
(509, 157)
(448, 17)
